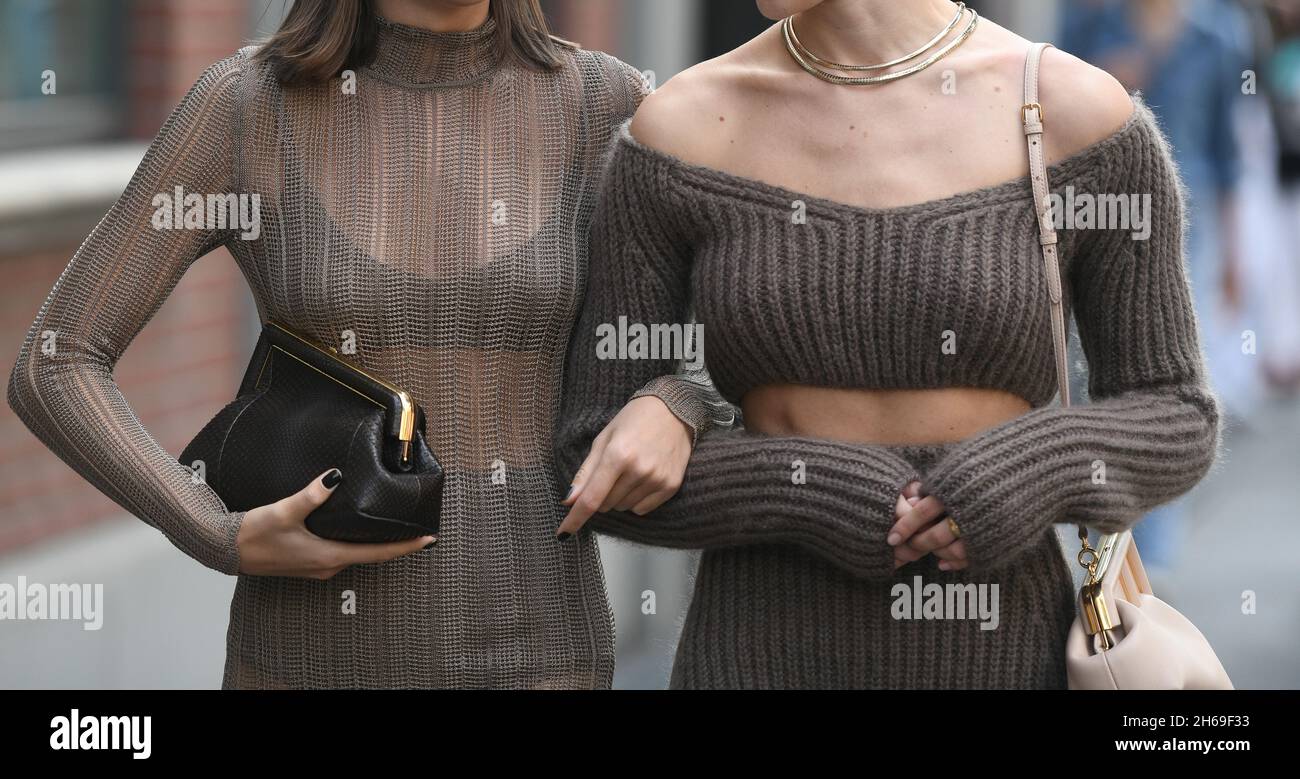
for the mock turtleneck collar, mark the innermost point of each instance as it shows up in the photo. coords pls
(418, 57)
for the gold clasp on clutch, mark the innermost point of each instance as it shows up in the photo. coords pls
(406, 426)
(1097, 614)
(407, 431)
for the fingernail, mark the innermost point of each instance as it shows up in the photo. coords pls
(894, 538)
(943, 566)
(563, 536)
(569, 494)
(332, 478)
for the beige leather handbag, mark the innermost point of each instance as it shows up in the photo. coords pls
(1124, 637)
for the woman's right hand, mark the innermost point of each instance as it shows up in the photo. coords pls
(918, 532)
(274, 540)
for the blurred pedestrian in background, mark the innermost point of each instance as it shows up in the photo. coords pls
(1270, 192)
(1187, 59)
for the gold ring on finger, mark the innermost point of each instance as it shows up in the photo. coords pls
(952, 528)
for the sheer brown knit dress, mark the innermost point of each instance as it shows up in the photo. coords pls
(438, 213)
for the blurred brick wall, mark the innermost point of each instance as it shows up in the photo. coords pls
(171, 42)
(187, 361)
(179, 371)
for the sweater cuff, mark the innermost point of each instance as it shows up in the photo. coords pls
(868, 486)
(214, 544)
(227, 560)
(1004, 494)
(832, 499)
(1103, 465)
(686, 399)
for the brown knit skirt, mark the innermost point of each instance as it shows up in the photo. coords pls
(774, 616)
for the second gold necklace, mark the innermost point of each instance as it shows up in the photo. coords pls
(810, 62)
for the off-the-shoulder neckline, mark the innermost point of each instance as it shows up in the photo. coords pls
(1058, 171)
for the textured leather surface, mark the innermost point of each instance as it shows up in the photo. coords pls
(294, 422)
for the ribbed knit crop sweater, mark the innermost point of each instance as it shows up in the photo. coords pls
(796, 586)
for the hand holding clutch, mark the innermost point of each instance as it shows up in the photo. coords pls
(302, 410)
(274, 539)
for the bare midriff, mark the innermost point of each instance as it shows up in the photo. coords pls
(871, 416)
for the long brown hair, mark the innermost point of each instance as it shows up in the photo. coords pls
(319, 39)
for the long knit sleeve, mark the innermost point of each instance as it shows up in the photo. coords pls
(62, 384)
(688, 392)
(1151, 429)
(833, 499)
(432, 207)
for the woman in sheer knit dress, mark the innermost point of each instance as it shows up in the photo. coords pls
(427, 172)
(865, 263)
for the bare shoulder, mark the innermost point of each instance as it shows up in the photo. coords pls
(1082, 104)
(685, 116)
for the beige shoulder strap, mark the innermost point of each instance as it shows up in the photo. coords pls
(1031, 115)
(1131, 573)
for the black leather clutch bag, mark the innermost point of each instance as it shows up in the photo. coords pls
(301, 410)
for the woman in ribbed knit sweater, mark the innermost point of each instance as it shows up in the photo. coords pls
(865, 265)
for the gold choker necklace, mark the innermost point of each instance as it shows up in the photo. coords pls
(814, 64)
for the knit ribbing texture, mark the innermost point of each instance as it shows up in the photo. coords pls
(438, 215)
(796, 582)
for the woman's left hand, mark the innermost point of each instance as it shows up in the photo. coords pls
(635, 464)
(922, 528)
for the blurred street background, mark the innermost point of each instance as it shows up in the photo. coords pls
(1222, 75)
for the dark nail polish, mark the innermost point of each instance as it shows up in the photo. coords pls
(569, 494)
(563, 536)
(333, 477)
(431, 545)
